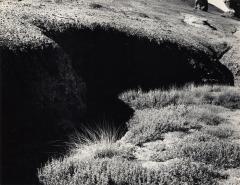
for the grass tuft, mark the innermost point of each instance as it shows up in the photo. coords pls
(98, 143)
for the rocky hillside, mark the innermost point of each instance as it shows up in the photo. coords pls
(62, 61)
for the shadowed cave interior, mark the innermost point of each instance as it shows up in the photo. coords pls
(109, 62)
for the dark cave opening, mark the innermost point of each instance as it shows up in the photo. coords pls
(109, 62)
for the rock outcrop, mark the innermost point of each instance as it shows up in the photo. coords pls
(57, 60)
(233, 5)
(201, 5)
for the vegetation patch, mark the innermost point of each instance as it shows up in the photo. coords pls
(180, 137)
(218, 153)
(150, 124)
(122, 171)
(221, 132)
(203, 148)
(224, 96)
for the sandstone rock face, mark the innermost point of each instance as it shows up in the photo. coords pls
(201, 5)
(234, 5)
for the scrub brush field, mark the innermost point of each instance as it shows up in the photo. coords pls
(189, 135)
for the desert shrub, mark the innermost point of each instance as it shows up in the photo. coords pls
(150, 124)
(229, 98)
(206, 115)
(218, 153)
(121, 171)
(173, 150)
(153, 99)
(204, 148)
(221, 132)
(225, 96)
(198, 136)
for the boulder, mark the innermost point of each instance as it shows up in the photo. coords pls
(201, 5)
(233, 5)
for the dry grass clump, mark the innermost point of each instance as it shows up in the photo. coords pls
(150, 124)
(153, 99)
(225, 96)
(99, 143)
(122, 171)
(203, 148)
(218, 153)
(206, 115)
(174, 149)
(221, 132)
(230, 98)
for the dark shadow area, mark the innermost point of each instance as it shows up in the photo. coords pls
(111, 62)
(38, 116)
(30, 132)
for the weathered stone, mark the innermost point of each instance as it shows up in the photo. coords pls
(233, 5)
(201, 5)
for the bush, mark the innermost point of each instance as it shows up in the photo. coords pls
(122, 171)
(174, 149)
(206, 115)
(217, 153)
(222, 132)
(153, 99)
(225, 96)
(229, 99)
(150, 124)
(203, 148)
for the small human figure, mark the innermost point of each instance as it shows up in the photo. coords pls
(201, 5)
